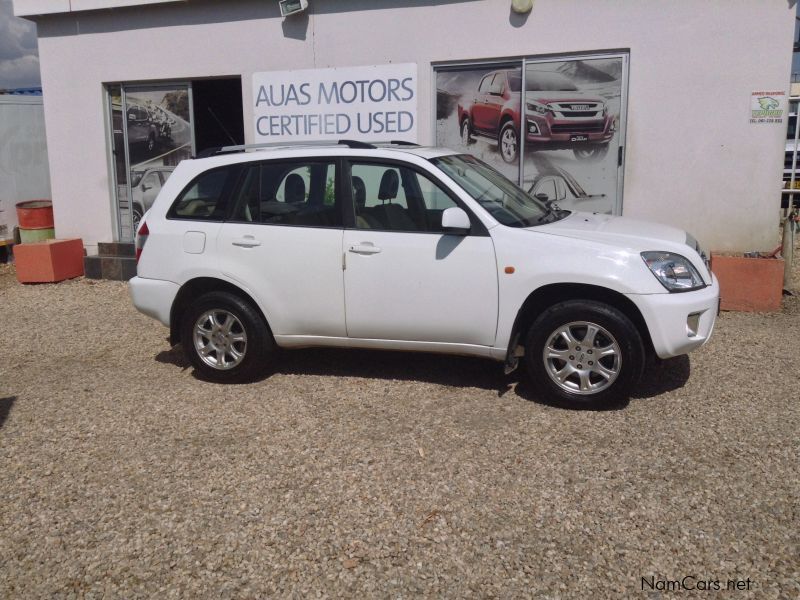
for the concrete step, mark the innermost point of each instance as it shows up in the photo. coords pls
(116, 249)
(118, 268)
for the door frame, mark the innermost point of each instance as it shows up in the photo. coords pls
(137, 86)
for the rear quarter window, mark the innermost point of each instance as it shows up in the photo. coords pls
(204, 199)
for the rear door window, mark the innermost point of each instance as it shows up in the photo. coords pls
(300, 193)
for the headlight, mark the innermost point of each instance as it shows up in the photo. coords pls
(695, 245)
(538, 107)
(674, 271)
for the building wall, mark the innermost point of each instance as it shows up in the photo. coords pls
(693, 158)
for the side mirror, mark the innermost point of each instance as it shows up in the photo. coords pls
(542, 197)
(455, 221)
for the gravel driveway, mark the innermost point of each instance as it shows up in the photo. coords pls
(369, 474)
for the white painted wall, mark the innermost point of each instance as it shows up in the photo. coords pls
(693, 158)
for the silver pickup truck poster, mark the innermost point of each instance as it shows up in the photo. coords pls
(563, 144)
(157, 125)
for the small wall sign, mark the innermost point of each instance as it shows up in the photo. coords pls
(767, 107)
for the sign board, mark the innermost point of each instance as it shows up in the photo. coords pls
(767, 107)
(374, 103)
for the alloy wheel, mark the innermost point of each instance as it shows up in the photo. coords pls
(582, 358)
(508, 144)
(220, 339)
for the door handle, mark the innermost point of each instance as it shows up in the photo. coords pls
(364, 248)
(247, 241)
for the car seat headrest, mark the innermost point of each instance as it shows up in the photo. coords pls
(359, 192)
(390, 183)
(295, 189)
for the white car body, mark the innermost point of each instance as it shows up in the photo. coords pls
(351, 287)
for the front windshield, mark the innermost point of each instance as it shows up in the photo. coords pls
(501, 198)
(541, 81)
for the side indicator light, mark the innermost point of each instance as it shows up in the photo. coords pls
(510, 270)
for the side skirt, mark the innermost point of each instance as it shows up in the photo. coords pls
(310, 341)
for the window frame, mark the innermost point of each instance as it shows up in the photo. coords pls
(477, 228)
(299, 161)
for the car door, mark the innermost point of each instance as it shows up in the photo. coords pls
(149, 187)
(493, 106)
(549, 188)
(480, 118)
(404, 278)
(283, 242)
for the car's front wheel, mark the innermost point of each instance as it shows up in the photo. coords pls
(225, 338)
(508, 142)
(591, 153)
(584, 354)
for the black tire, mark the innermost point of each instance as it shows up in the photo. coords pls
(591, 380)
(466, 132)
(136, 218)
(590, 153)
(508, 142)
(257, 349)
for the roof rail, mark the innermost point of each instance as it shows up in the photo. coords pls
(217, 150)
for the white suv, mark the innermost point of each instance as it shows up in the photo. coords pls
(407, 248)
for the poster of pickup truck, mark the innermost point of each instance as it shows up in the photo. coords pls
(568, 111)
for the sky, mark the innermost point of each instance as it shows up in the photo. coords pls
(19, 56)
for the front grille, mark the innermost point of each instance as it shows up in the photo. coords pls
(586, 114)
(577, 106)
(578, 128)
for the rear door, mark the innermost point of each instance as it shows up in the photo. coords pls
(404, 278)
(283, 243)
(480, 108)
(494, 102)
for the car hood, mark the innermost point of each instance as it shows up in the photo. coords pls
(562, 97)
(635, 235)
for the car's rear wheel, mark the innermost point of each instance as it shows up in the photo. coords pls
(466, 132)
(591, 153)
(225, 338)
(584, 354)
(508, 142)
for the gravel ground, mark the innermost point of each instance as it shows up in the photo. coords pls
(368, 474)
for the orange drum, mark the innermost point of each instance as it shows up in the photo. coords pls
(35, 214)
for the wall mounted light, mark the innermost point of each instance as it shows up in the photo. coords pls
(291, 7)
(522, 6)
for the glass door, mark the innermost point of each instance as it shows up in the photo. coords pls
(555, 125)
(152, 132)
(573, 131)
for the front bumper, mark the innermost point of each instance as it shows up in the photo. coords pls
(153, 297)
(679, 322)
(543, 129)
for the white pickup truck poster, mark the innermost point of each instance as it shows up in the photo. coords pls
(372, 103)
